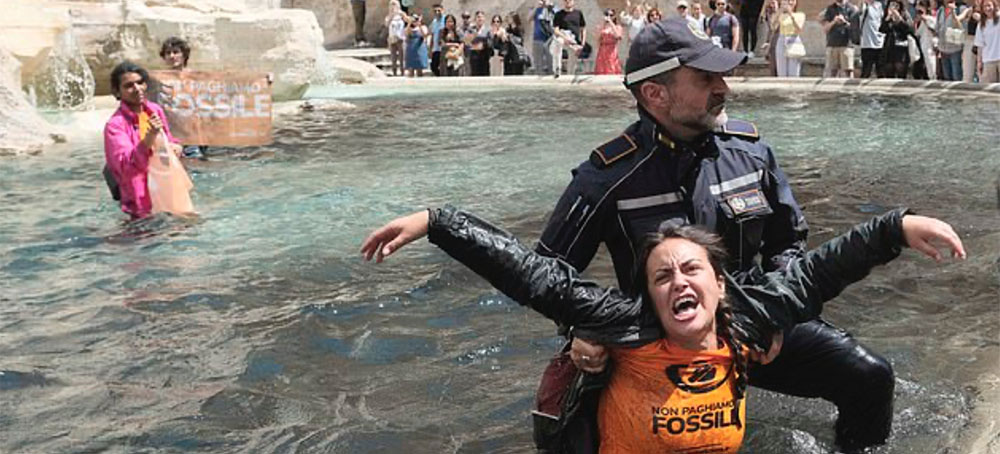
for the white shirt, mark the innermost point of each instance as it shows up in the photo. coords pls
(871, 38)
(988, 40)
(634, 25)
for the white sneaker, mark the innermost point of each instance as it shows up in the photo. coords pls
(750, 54)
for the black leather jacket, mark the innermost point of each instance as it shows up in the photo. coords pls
(762, 303)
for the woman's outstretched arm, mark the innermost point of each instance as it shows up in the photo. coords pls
(797, 292)
(548, 285)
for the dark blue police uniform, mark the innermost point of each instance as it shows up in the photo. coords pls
(729, 182)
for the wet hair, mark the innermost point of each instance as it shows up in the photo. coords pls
(717, 258)
(123, 68)
(174, 42)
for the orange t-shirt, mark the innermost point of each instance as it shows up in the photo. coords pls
(665, 399)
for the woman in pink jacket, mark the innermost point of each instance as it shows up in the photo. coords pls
(130, 138)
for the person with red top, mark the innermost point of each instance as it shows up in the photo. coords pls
(130, 137)
(607, 52)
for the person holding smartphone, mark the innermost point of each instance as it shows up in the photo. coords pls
(416, 46)
(897, 26)
(789, 48)
(607, 52)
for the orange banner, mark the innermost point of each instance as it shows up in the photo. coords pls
(215, 108)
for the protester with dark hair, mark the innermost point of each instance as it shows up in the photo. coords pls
(897, 27)
(692, 327)
(175, 52)
(130, 137)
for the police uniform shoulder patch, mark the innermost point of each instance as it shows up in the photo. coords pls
(613, 150)
(741, 128)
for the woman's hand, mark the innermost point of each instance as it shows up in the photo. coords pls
(923, 234)
(387, 239)
(590, 358)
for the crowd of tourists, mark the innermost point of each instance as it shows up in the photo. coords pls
(918, 39)
(923, 39)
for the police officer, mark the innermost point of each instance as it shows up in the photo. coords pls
(685, 161)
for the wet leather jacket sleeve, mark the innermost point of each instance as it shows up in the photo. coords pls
(796, 293)
(762, 303)
(548, 285)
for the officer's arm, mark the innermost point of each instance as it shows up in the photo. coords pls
(785, 230)
(574, 230)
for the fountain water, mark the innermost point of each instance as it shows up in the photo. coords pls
(64, 80)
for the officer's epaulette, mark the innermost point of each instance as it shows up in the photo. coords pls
(741, 128)
(613, 150)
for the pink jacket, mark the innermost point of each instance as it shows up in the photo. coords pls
(128, 158)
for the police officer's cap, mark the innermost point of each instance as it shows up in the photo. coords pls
(670, 43)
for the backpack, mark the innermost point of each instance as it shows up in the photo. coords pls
(516, 52)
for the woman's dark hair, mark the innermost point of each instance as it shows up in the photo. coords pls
(515, 21)
(649, 14)
(495, 17)
(453, 20)
(174, 42)
(717, 258)
(123, 68)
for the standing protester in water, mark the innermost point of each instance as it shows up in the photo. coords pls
(175, 52)
(130, 138)
(679, 318)
(685, 162)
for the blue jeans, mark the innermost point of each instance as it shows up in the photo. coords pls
(951, 66)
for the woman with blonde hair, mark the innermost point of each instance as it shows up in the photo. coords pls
(396, 22)
(789, 49)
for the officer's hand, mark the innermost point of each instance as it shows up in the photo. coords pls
(923, 234)
(765, 358)
(387, 239)
(588, 357)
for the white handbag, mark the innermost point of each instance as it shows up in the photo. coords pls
(954, 36)
(795, 49)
